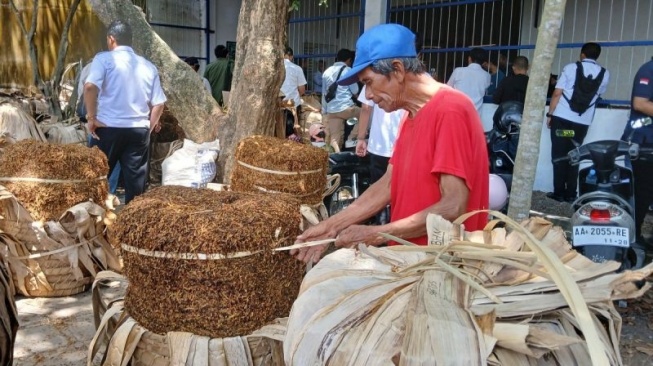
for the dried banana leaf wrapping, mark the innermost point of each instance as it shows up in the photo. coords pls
(47, 179)
(58, 257)
(129, 342)
(272, 165)
(201, 261)
(517, 296)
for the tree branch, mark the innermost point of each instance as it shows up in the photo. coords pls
(29, 37)
(63, 46)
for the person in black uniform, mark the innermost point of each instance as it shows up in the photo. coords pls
(642, 106)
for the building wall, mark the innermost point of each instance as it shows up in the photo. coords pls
(87, 37)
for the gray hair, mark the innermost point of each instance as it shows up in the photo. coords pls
(411, 64)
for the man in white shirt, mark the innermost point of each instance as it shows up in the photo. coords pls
(563, 116)
(293, 87)
(339, 109)
(472, 80)
(124, 101)
(383, 127)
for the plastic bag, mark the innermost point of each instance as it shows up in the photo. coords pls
(191, 166)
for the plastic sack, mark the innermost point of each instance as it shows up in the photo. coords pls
(191, 166)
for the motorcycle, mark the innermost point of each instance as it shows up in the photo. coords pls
(354, 175)
(503, 139)
(603, 223)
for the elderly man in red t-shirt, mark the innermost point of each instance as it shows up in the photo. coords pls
(439, 164)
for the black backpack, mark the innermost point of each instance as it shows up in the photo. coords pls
(585, 89)
(331, 91)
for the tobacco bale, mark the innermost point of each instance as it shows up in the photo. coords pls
(216, 297)
(280, 156)
(48, 201)
(170, 129)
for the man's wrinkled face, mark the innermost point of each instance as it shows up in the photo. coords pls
(384, 91)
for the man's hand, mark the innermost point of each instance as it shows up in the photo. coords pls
(155, 126)
(361, 148)
(548, 122)
(93, 124)
(357, 234)
(313, 254)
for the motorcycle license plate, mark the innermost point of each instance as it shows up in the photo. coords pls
(601, 235)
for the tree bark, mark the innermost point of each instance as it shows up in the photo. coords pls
(528, 150)
(188, 100)
(258, 75)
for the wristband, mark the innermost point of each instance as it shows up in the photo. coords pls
(549, 115)
(360, 138)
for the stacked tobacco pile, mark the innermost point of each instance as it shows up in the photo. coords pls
(272, 165)
(47, 179)
(52, 214)
(168, 140)
(518, 297)
(202, 261)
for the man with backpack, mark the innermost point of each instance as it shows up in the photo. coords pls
(572, 108)
(337, 101)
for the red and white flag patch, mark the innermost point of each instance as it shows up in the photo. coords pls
(643, 81)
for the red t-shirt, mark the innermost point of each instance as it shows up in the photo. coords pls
(444, 137)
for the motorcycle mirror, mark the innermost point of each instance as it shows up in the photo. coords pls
(352, 121)
(641, 122)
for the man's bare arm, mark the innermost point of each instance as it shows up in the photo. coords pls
(453, 203)
(155, 115)
(643, 105)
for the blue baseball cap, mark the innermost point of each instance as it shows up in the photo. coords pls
(378, 43)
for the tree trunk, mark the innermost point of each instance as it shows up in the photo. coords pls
(188, 100)
(54, 85)
(258, 75)
(528, 151)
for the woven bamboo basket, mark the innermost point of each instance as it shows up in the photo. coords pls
(55, 258)
(276, 166)
(120, 339)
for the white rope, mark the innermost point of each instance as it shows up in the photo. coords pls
(55, 251)
(265, 190)
(189, 256)
(43, 180)
(277, 171)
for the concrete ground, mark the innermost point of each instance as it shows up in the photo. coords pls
(54, 331)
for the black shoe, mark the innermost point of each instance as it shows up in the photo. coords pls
(554, 196)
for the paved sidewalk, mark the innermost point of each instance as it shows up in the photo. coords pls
(54, 331)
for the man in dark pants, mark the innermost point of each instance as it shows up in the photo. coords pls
(124, 102)
(561, 117)
(642, 106)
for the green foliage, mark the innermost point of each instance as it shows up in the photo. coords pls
(294, 4)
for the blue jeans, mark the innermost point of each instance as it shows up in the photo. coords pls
(115, 174)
